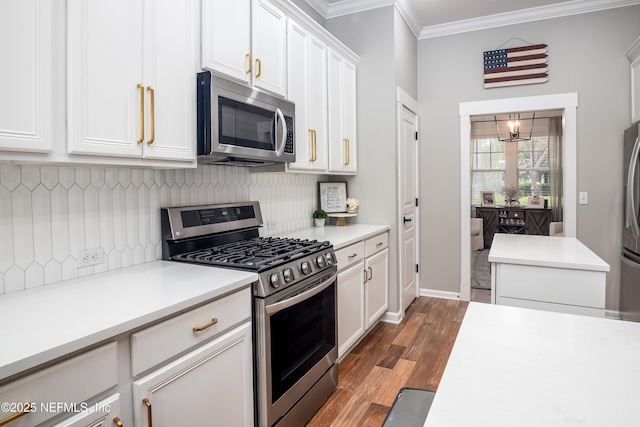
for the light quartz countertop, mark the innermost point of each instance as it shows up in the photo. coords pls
(544, 251)
(339, 236)
(519, 367)
(40, 324)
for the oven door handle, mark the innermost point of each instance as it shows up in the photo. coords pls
(279, 306)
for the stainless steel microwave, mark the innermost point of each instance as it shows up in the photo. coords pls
(242, 126)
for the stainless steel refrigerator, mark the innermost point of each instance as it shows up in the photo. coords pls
(630, 278)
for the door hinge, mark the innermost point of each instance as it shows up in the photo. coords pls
(417, 268)
(416, 201)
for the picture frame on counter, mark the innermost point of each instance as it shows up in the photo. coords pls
(487, 199)
(535, 202)
(332, 196)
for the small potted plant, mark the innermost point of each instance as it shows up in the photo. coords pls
(319, 217)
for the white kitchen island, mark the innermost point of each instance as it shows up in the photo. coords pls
(547, 273)
(519, 367)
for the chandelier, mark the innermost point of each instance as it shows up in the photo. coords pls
(513, 132)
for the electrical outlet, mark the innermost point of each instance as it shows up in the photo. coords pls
(90, 257)
(271, 224)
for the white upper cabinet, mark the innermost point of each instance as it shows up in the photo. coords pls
(269, 42)
(226, 38)
(342, 115)
(131, 78)
(26, 75)
(246, 41)
(308, 90)
(633, 54)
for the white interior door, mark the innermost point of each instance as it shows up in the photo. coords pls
(408, 155)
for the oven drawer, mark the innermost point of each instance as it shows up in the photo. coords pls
(376, 244)
(350, 254)
(164, 340)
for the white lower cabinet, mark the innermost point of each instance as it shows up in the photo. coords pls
(68, 386)
(562, 290)
(212, 385)
(350, 307)
(375, 287)
(105, 413)
(363, 280)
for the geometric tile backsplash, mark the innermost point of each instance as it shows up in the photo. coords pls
(48, 213)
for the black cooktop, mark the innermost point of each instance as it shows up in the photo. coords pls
(254, 254)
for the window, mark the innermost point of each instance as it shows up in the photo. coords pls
(497, 165)
(533, 168)
(488, 163)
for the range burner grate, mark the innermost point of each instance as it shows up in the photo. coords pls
(254, 254)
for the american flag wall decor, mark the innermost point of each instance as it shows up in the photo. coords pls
(515, 66)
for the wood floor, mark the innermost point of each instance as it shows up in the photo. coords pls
(411, 354)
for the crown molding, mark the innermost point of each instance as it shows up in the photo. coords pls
(320, 6)
(574, 7)
(409, 15)
(347, 7)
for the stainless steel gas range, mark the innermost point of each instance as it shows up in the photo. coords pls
(294, 302)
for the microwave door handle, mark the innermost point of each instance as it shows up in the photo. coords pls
(632, 209)
(283, 140)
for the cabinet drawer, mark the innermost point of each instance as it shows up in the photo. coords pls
(350, 254)
(68, 383)
(376, 244)
(164, 340)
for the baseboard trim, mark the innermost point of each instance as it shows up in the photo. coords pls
(439, 294)
(390, 317)
(612, 314)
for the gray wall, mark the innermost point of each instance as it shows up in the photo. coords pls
(586, 55)
(406, 57)
(387, 59)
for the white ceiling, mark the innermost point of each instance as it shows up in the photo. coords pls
(433, 18)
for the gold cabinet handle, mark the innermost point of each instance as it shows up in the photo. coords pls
(117, 422)
(10, 418)
(379, 244)
(141, 113)
(147, 403)
(347, 150)
(370, 274)
(208, 325)
(248, 57)
(259, 67)
(152, 98)
(315, 145)
(352, 256)
(312, 139)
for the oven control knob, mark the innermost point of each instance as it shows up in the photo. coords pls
(329, 258)
(320, 262)
(288, 275)
(274, 280)
(305, 267)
